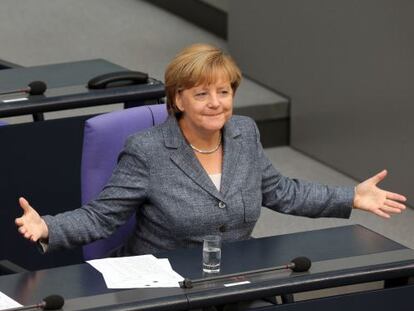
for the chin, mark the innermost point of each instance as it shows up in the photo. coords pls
(214, 125)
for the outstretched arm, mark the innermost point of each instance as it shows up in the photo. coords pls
(370, 198)
(30, 224)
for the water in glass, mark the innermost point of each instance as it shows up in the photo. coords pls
(211, 254)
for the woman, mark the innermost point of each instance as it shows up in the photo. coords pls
(201, 172)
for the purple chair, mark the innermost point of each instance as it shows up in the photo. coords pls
(103, 139)
(2, 123)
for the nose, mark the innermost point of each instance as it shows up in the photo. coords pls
(214, 101)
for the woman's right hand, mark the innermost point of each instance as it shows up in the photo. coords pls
(31, 225)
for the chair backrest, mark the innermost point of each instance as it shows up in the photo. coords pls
(103, 139)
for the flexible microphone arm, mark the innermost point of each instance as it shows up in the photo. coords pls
(299, 264)
(25, 90)
(52, 302)
(33, 88)
(31, 307)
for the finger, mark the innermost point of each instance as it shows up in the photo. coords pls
(31, 237)
(396, 196)
(19, 221)
(394, 204)
(22, 230)
(381, 213)
(34, 239)
(388, 210)
(379, 177)
(24, 204)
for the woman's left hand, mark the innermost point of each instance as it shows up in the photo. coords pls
(369, 197)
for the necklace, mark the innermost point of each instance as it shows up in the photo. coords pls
(207, 151)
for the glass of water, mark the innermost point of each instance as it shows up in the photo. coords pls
(211, 253)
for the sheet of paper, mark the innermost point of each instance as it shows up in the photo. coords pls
(136, 271)
(7, 303)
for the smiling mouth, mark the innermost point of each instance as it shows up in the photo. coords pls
(213, 115)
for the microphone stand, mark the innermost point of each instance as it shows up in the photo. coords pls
(26, 90)
(188, 283)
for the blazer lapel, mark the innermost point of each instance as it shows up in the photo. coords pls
(183, 156)
(232, 147)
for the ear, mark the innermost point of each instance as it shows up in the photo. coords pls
(179, 101)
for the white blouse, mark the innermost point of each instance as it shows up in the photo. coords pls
(216, 179)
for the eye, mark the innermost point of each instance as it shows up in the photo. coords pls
(224, 92)
(200, 94)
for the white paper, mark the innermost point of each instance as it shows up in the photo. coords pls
(136, 272)
(7, 303)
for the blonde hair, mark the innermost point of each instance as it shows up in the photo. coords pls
(195, 65)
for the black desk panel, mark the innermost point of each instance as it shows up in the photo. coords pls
(40, 161)
(56, 75)
(367, 256)
(266, 252)
(391, 299)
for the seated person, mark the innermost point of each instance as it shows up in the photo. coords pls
(203, 171)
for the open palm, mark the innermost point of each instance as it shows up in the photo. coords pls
(30, 224)
(369, 197)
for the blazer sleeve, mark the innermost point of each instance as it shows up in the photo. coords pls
(299, 197)
(122, 195)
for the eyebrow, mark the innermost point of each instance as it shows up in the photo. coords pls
(205, 87)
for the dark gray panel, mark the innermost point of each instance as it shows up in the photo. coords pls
(201, 13)
(348, 67)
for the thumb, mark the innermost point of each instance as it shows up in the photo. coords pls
(24, 204)
(379, 177)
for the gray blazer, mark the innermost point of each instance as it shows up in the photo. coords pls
(176, 203)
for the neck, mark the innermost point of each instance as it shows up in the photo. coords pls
(207, 151)
(205, 140)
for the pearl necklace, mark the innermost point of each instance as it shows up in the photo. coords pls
(207, 151)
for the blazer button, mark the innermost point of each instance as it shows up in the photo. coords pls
(222, 205)
(222, 228)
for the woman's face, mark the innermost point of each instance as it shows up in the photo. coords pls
(206, 108)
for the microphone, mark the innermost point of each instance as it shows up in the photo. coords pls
(298, 264)
(33, 88)
(52, 302)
